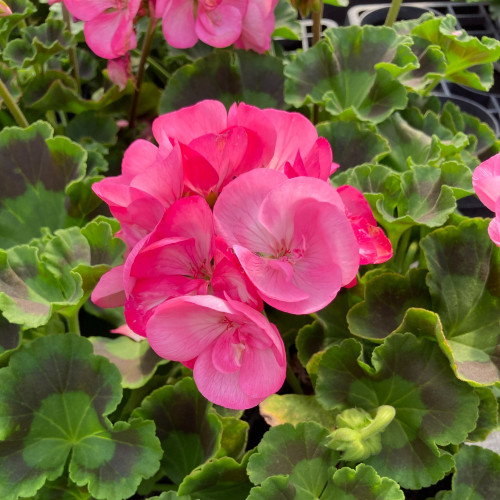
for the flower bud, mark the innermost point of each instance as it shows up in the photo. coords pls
(4, 9)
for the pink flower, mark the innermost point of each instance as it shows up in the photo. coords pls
(238, 357)
(176, 259)
(109, 30)
(4, 9)
(258, 26)
(486, 183)
(120, 71)
(374, 246)
(151, 181)
(215, 22)
(291, 236)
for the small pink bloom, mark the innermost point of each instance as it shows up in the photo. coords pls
(291, 236)
(5, 9)
(238, 357)
(374, 246)
(120, 71)
(486, 183)
(108, 29)
(258, 26)
(215, 22)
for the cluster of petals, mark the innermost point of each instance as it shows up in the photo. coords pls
(109, 24)
(248, 24)
(486, 182)
(230, 210)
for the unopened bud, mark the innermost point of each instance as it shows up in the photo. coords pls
(4, 9)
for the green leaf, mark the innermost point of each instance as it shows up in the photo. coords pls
(21, 9)
(477, 476)
(189, 434)
(433, 408)
(488, 415)
(353, 143)
(10, 336)
(234, 437)
(387, 298)
(468, 60)
(55, 398)
(276, 488)
(297, 452)
(228, 77)
(62, 489)
(286, 24)
(19, 53)
(352, 73)
(363, 482)
(216, 479)
(36, 169)
(136, 361)
(464, 281)
(92, 126)
(295, 408)
(9, 78)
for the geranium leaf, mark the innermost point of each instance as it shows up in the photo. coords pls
(363, 482)
(10, 336)
(227, 77)
(352, 72)
(488, 415)
(468, 60)
(353, 143)
(55, 399)
(295, 408)
(136, 361)
(277, 488)
(297, 452)
(413, 376)
(36, 169)
(62, 489)
(218, 478)
(19, 53)
(234, 437)
(189, 434)
(477, 475)
(20, 10)
(387, 298)
(286, 25)
(464, 270)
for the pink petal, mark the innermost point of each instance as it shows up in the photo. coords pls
(220, 388)
(356, 204)
(85, 10)
(127, 331)
(494, 230)
(179, 24)
(183, 328)
(200, 176)
(226, 353)
(219, 27)
(138, 156)
(486, 181)
(109, 291)
(186, 124)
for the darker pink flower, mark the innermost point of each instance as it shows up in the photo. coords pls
(486, 183)
(238, 357)
(258, 26)
(374, 246)
(109, 30)
(291, 236)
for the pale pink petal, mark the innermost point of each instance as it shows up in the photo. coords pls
(220, 388)
(258, 26)
(294, 133)
(221, 26)
(109, 291)
(119, 71)
(128, 332)
(226, 353)
(237, 208)
(494, 230)
(486, 181)
(85, 10)
(261, 375)
(186, 124)
(179, 24)
(183, 328)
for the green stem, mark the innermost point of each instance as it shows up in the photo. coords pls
(72, 321)
(72, 50)
(12, 106)
(292, 380)
(317, 14)
(401, 249)
(392, 15)
(146, 47)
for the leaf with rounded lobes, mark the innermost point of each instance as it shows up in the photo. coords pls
(55, 398)
(469, 61)
(19, 53)
(362, 482)
(10, 336)
(412, 375)
(36, 168)
(9, 78)
(353, 142)
(93, 126)
(62, 489)
(286, 24)
(464, 282)
(170, 495)
(21, 9)
(488, 415)
(234, 437)
(295, 408)
(277, 488)
(136, 361)
(218, 478)
(352, 72)
(477, 475)
(387, 298)
(189, 433)
(228, 77)
(297, 452)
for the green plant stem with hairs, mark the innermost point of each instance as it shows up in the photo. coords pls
(392, 15)
(12, 106)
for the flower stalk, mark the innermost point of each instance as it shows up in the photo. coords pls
(317, 14)
(392, 15)
(12, 106)
(72, 50)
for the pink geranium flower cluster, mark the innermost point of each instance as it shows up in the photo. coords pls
(230, 210)
(486, 182)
